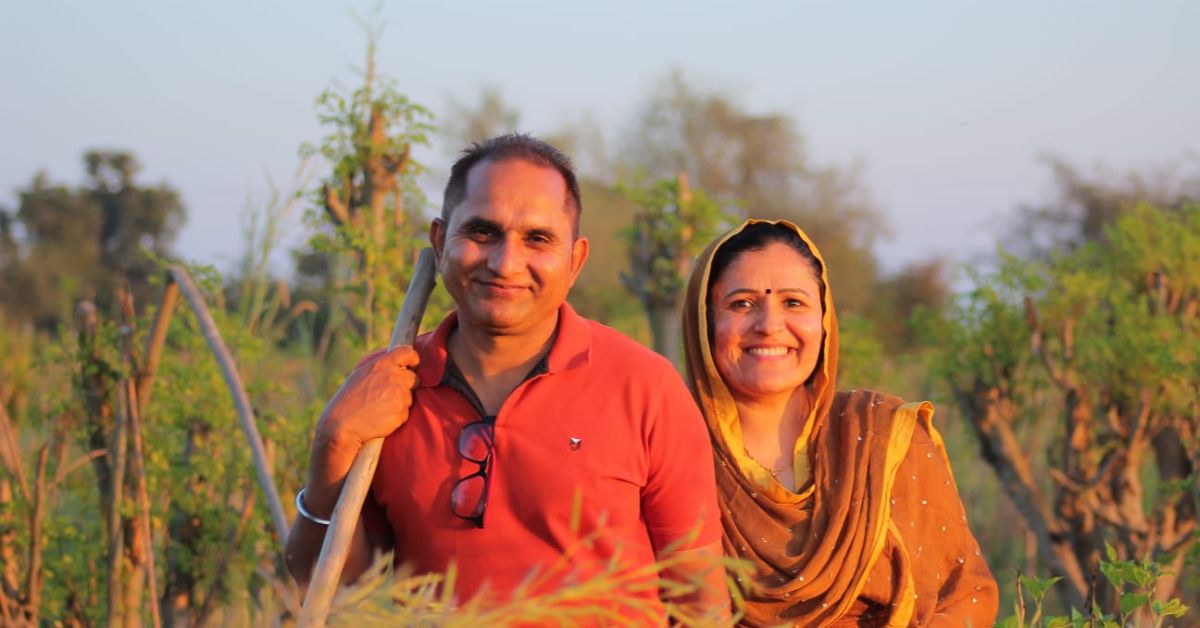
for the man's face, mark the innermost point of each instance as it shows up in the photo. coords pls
(507, 255)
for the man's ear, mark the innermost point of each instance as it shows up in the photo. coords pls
(579, 255)
(437, 237)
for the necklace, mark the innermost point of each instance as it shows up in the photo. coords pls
(773, 471)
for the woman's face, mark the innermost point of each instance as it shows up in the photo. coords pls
(766, 322)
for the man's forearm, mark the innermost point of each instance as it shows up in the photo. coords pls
(328, 467)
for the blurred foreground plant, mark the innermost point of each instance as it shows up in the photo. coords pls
(613, 593)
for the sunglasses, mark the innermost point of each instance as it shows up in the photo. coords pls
(468, 498)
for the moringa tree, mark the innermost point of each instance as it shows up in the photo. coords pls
(1080, 374)
(369, 211)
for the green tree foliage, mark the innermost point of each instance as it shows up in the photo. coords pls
(369, 214)
(1085, 203)
(1079, 376)
(63, 243)
(672, 226)
(215, 551)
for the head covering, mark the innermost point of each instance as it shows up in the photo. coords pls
(813, 549)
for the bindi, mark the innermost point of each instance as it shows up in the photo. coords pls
(768, 291)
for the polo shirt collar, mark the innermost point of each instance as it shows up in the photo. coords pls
(571, 347)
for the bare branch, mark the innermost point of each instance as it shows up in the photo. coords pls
(1003, 451)
(155, 343)
(34, 579)
(9, 452)
(62, 473)
(335, 206)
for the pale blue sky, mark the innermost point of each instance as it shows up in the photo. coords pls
(949, 104)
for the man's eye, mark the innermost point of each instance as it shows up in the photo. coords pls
(538, 238)
(481, 233)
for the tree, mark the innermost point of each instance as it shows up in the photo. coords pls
(63, 244)
(922, 284)
(757, 162)
(489, 117)
(1091, 356)
(369, 211)
(1086, 203)
(672, 226)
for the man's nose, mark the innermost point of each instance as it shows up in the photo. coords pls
(506, 257)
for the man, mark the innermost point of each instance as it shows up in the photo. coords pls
(529, 433)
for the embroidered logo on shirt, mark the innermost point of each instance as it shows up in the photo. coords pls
(575, 443)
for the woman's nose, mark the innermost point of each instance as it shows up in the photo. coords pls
(770, 318)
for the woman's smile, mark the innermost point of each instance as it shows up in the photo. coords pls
(767, 330)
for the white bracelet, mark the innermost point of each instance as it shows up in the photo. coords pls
(304, 511)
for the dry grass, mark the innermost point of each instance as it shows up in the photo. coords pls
(616, 595)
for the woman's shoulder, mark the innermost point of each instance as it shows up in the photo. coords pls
(879, 403)
(882, 412)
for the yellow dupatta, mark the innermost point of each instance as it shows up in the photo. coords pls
(813, 549)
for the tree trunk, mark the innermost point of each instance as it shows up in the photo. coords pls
(665, 327)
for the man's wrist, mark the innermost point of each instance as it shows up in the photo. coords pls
(330, 462)
(307, 514)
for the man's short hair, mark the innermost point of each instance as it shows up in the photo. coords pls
(511, 146)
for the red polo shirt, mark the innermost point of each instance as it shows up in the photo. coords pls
(607, 429)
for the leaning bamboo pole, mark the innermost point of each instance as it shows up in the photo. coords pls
(344, 519)
(237, 389)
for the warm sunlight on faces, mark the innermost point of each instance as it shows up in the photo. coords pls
(507, 255)
(766, 345)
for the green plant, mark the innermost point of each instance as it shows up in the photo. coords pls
(1134, 582)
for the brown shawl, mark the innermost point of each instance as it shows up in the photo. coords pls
(875, 497)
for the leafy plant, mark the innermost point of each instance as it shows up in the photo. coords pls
(1134, 582)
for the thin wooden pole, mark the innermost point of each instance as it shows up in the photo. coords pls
(345, 516)
(155, 342)
(34, 581)
(241, 400)
(116, 534)
(133, 414)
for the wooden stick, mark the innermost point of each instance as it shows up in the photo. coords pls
(344, 520)
(116, 536)
(10, 454)
(241, 400)
(34, 582)
(133, 414)
(155, 342)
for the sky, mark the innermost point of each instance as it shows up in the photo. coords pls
(949, 105)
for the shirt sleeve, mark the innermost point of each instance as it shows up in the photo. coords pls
(679, 501)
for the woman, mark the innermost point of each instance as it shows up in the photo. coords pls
(843, 501)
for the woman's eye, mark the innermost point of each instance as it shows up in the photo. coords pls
(795, 303)
(741, 304)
